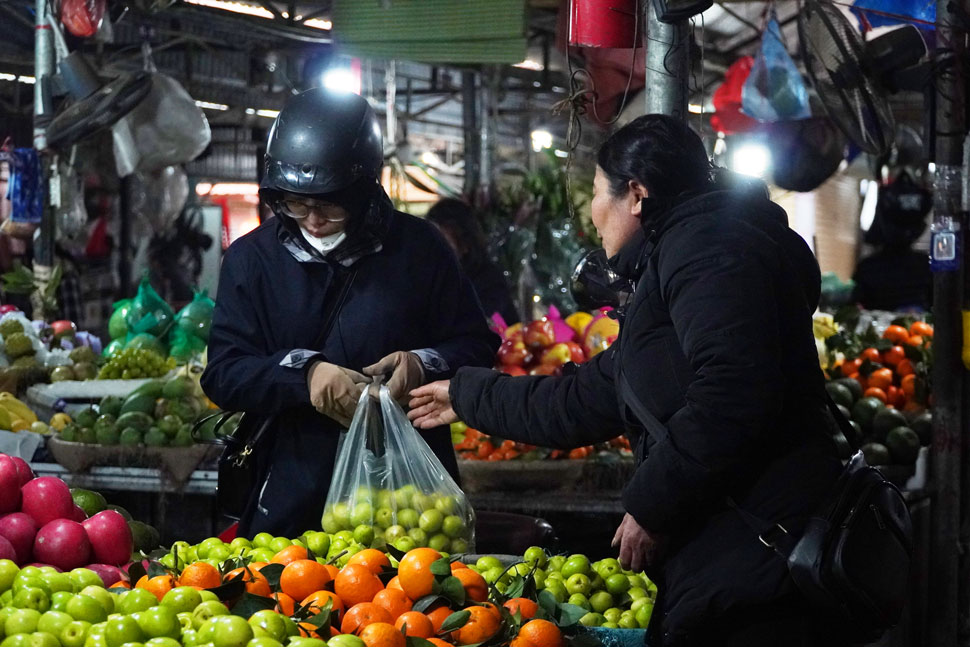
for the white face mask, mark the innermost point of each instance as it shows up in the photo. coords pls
(324, 244)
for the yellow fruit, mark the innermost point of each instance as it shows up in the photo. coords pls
(578, 321)
(17, 408)
(6, 420)
(59, 421)
(20, 425)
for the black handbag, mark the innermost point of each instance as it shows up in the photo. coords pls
(239, 472)
(853, 558)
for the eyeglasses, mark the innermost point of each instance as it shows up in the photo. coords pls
(299, 209)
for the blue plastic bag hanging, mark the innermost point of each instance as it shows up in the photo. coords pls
(775, 90)
(26, 187)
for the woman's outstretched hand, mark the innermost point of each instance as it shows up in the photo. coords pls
(431, 406)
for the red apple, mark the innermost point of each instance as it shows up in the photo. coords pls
(109, 574)
(63, 326)
(513, 353)
(557, 355)
(62, 543)
(7, 550)
(77, 514)
(576, 354)
(514, 371)
(110, 538)
(539, 334)
(545, 369)
(513, 332)
(47, 498)
(26, 474)
(19, 529)
(4, 309)
(9, 485)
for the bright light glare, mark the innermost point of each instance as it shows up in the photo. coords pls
(695, 108)
(561, 153)
(541, 139)
(269, 114)
(341, 79)
(227, 188)
(868, 212)
(255, 10)
(529, 64)
(751, 159)
(208, 105)
(430, 158)
(250, 111)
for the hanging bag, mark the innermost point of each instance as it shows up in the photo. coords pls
(853, 559)
(775, 90)
(389, 488)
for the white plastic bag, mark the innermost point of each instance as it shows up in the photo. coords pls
(389, 488)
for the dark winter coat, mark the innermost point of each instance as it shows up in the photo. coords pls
(409, 295)
(717, 343)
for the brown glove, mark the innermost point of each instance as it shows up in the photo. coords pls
(407, 373)
(334, 390)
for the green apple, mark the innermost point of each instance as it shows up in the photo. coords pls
(5, 612)
(363, 513)
(268, 624)
(394, 533)
(316, 642)
(163, 642)
(22, 621)
(207, 610)
(408, 517)
(342, 640)
(617, 584)
(579, 600)
(384, 518)
(74, 634)
(364, 534)
(610, 625)
(121, 630)
(628, 622)
(261, 555)
(60, 582)
(264, 641)
(555, 575)
(555, 563)
(22, 582)
(459, 546)
(612, 614)
(404, 544)
(558, 590)
(341, 515)
(345, 536)
(160, 622)
(592, 620)
(96, 636)
(539, 577)
(17, 640)
(493, 574)
(8, 571)
(575, 564)
(644, 614)
(522, 569)
(291, 628)
(30, 571)
(59, 600)
(431, 521)
(168, 561)
(31, 598)
(190, 638)
(535, 556)
(486, 562)
(318, 543)
(230, 631)
(453, 526)
(262, 540)
(606, 567)
(182, 599)
(241, 542)
(106, 599)
(423, 502)
(85, 577)
(134, 601)
(446, 505)
(44, 639)
(637, 593)
(419, 536)
(185, 619)
(578, 583)
(202, 549)
(220, 553)
(53, 622)
(601, 601)
(209, 596)
(439, 542)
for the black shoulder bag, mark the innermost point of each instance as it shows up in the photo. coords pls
(853, 559)
(238, 472)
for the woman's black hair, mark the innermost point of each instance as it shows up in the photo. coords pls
(458, 218)
(660, 152)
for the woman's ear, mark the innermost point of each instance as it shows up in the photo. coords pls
(637, 192)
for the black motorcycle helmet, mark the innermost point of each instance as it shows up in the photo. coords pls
(322, 142)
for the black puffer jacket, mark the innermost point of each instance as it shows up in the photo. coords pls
(717, 344)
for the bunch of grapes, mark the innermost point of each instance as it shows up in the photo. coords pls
(134, 363)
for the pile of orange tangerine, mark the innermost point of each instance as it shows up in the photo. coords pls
(380, 614)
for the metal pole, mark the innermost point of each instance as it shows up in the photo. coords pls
(948, 609)
(43, 113)
(486, 133)
(469, 118)
(667, 66)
